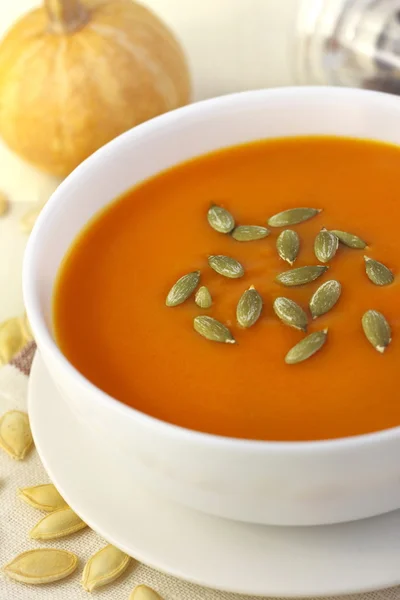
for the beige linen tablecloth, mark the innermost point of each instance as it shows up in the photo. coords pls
(17, 518)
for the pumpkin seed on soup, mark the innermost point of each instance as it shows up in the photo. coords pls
(325, 245)
(226, 266)
(293, 216)
(306, 348)
(288, 245)
(203, 297)
(377, 330)
(183, 288)
(301, 275)
(291, 313)
(213, 330)
(249, 307)
(377, 272)
(349, 239)
(249, 233)
(325, 298)
(220, 219)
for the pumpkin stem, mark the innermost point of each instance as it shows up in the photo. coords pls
(66, 16)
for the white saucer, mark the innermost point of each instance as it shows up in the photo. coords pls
(236, 557)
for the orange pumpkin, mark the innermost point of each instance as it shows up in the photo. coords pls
(74, 74)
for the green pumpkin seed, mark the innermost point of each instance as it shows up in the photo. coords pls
(377, 272)
(325, 298)
(213, 330)
(220, 219)
(293, 216)
(226, 266)
(203, 297)
(349, 239)
(325, 245)
(291, 313)
(248, 233)
(301, 275)
(249, 307)
(306, 348)
(288, 245)
(377, 330)
(183, 288)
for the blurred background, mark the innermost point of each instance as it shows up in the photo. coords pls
(231, 45)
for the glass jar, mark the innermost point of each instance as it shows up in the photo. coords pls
(349, 42)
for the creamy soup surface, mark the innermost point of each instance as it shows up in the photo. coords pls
(112, 323)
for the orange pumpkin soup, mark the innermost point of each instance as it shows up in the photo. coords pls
(111, 320)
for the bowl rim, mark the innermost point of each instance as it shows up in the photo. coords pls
(45, 340)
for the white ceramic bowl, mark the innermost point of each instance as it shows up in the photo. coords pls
(261, 482)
